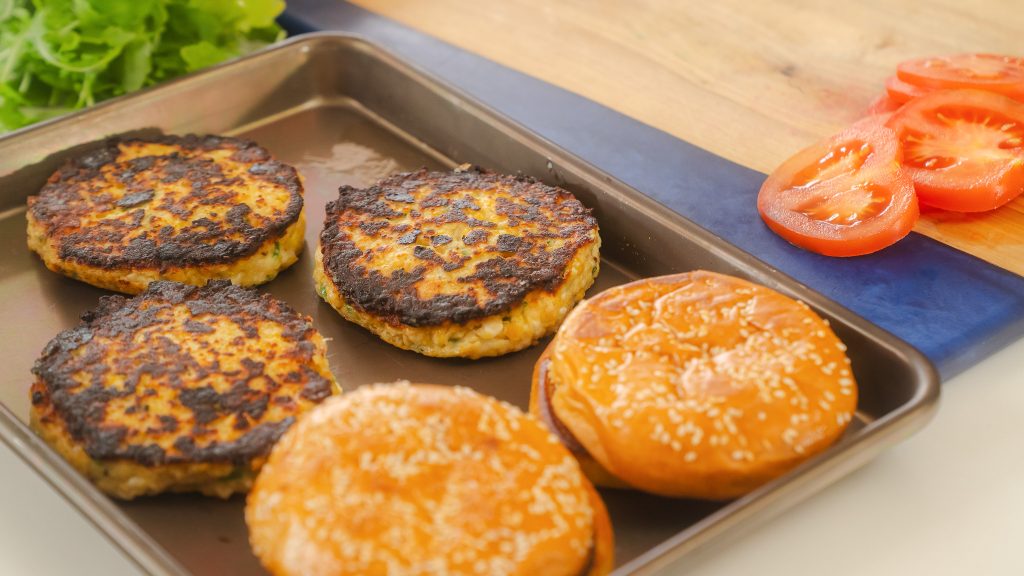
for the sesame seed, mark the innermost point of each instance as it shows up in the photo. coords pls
(789, 435)
(698, 434)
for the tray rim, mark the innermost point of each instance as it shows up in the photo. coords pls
(811, 476)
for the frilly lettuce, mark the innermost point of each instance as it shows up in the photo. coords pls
(61, 55)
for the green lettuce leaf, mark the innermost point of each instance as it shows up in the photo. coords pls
(60, 55)
(203, 54)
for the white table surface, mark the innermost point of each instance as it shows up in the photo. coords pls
(950, 500)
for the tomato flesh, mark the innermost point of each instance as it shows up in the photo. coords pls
(845, 196)
(964, 149)
(849, 206)
(840, 160)
(991, 72)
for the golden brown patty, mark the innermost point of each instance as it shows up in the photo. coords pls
(423, 479)
(457, 263)
(180, 388)
(185, 208)
(696, 385)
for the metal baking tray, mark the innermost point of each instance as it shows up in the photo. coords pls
(344, 111)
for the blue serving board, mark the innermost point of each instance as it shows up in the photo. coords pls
(955, 308)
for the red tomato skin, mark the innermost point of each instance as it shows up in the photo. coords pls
(903, 92)
(950, 75)
(989, 192)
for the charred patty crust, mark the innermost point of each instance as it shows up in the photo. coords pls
(185, 208)
(178, 389)
(460, 263)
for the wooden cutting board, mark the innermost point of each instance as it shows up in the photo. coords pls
(750, 81)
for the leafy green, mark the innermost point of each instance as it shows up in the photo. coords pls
(203, 54)
(61, 55)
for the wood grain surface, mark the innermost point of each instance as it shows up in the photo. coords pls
(751, 81)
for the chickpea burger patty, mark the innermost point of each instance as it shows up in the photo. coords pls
(461, 263)
(180, 389)
(184, 208)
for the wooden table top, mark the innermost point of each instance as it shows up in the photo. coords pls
(751, 81)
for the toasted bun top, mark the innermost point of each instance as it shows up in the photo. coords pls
(699, 384)
(421, 479)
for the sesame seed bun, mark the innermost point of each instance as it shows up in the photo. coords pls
(423, 479)
(695, 385)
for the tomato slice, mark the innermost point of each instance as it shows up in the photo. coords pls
(964, 149)
(903, 92)
(992, 72)
(844, 196)
(883, 104)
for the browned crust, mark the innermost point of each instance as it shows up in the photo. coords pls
(88, 351)
(602, 554)
(75, 189)
(540, 405)
(541, 390)
(519, 266)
